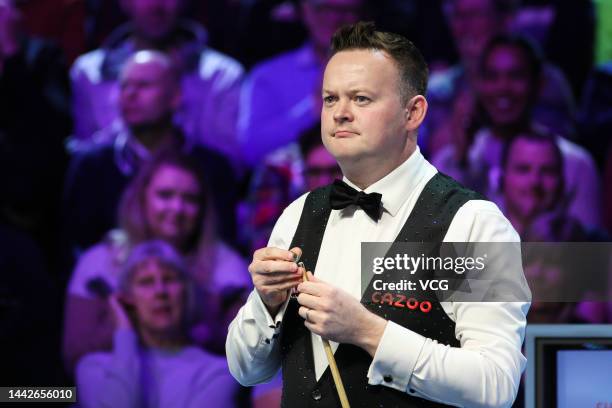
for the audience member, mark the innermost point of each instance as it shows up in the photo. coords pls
(533, 200)
(510, 75)
(281, 97)
(210, 80)
(167, 200)
(153, 362)
(149, 94)
(473, 24)
(532, 184)
(34, 121)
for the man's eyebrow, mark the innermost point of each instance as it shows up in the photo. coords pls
(351, 91)
(357, 90)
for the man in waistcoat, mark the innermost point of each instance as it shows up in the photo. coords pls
(459, 353)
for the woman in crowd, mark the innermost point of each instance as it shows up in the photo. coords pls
(152, 362)
(167, 200)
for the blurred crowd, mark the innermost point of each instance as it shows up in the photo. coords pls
(147, 148)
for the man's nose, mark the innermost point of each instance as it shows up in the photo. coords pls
(536, 182)
(343, 112)
(177, 204)
(128, 91)
(502, 84)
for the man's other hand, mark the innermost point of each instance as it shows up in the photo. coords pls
(335, 315)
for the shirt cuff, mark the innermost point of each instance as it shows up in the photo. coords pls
(268, 326)
(395, 358)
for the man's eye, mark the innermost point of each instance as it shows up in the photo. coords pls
(165, 194)
(522, 168)
(144, 281)
(329, 99)
(362, 99)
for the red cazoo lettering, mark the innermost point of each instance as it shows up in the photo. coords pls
(400, 301)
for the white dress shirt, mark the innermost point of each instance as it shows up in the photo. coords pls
(485, 371)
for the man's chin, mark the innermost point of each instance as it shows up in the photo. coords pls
(346, 155)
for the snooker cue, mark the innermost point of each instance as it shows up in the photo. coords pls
(331, 360)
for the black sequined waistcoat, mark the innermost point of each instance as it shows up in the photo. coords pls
(428, 222)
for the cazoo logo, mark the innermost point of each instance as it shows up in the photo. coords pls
(401, 301)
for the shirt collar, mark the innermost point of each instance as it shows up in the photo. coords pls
(397, 186)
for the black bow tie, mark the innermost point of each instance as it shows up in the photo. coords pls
(342, 195)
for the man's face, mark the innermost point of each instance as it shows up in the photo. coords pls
(362, 116)
(154, 19)
(148, 95)
(506, 86)
(323, 17)
(532, 178)
(473, 24)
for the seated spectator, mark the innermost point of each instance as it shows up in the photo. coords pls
(532, 183)
(281, 97)
(152, 362)
(167, 200)
(474, 23)
(210, 80)
(149, 95)
(510, 77)
(532, 187)
(34, 121)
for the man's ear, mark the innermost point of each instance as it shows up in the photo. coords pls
(415, 111)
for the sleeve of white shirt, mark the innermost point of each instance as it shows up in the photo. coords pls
(485, 371)
(252, 348)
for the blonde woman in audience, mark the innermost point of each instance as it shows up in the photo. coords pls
(168, 200)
